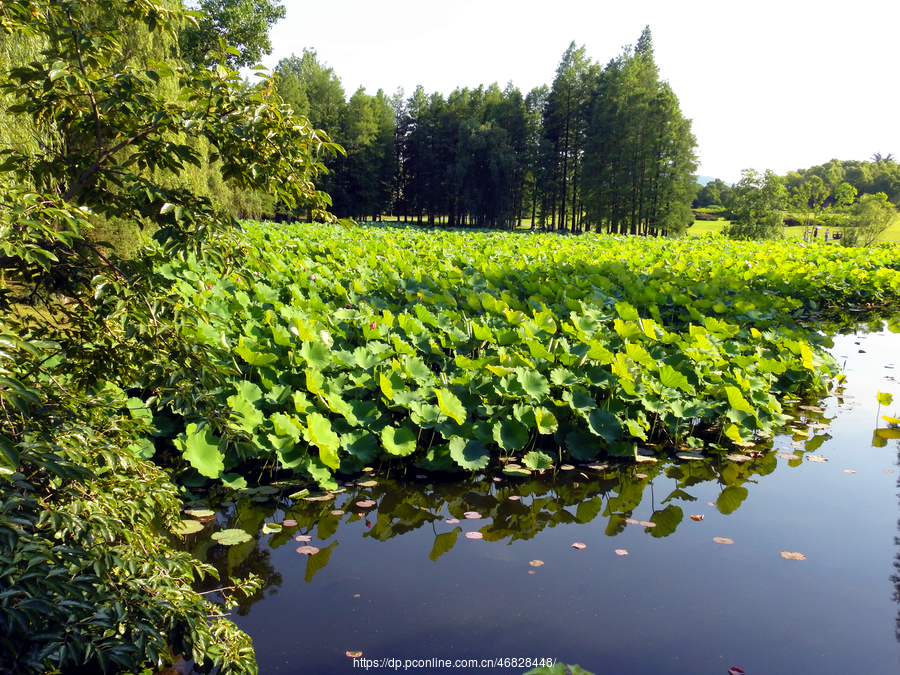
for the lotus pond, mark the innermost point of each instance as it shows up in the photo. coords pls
(777, 561)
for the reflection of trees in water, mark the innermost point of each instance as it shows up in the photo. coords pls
(895, 578)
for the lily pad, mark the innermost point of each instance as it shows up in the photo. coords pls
(787, 455)
(816, 458)
(201, 514)
(367, 483)
(307, 550)
(337, 512)
(319, 497)
(366, 503)
(231, 537)
(536, 563)
(472, 515)
(186, 527)
(452, 521)
(687, 456)
(302, 537)
(621, 551)
(849, 471)
(514, 498)
(735, 457)
(474, 535)
(271, 528)
(723, 540)
(579, 545)
(290, 522)
(647, 523)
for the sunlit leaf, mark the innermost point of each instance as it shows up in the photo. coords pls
(231, 537)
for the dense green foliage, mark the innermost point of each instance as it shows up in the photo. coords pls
(243, 24)
(89, 578)
(438, 348)
(601, 148)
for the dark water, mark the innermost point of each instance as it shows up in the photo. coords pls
(396, 583)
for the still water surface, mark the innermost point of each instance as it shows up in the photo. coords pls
(396, 581)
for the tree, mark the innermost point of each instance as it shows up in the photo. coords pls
(714, 193)
(88, 583)
(755, 203)
(869, 218)
(243, 24)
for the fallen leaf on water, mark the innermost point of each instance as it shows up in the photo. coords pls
(889, 471)
(640, 475)
(474, 535)
(632, 521)
(849, 471)
(566, 467)
(536, 563)
(697, 517)
(337, 512)
(514, 498)
(186, 527)
(497, 480)
(786, 455)
(621, 551)
(530, 571)
(354, 655)
(365, 503)
(689, 455)
(812, 408)
(710, 503)
(302, 537)
(356, 596)
(734, 670)
(368, 483)
(735, 457)
(647, 523)
(289, 522)
(598, 467)
(579, 545)
(792, 555)
(816, 458)
(472, 515)
(723, 540)
(797, 444)
(308, 550)
(452, 521)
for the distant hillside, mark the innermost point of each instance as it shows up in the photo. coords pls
(703, 180)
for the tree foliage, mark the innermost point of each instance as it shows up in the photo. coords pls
(243, 24)
(88, 581)
(755, 202)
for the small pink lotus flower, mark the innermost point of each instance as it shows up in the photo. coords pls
(372, 325)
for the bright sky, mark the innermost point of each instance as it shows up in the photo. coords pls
(768, 84)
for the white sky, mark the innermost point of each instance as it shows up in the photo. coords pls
(781, 85)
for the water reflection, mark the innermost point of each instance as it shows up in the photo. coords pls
(384, 507)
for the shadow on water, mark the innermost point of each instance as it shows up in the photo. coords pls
(429, 566)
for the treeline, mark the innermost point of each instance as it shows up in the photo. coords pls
(822, 182)
(603, 147)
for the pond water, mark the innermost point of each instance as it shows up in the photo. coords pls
(399, 583)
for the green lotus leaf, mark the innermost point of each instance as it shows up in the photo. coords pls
(451, 406)
(470, 455)
(534, 384)
(537, 460)
(361, 444)
(185, 527)
(510, 434)
(443, 543)
(398, 442)
(606, 425)
(231, 537)
(316, 354)
(201, 449)
(323, 437)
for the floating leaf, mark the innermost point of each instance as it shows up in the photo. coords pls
(566, 467)
(849, 471)
(621, 551)
(443, 543)
(647, 523)
(367, 483)
(271, 528)
(536, 563)
(689, 455)
(734, 670)
(474, 535)
(713, 504)
(231, 537)
(698, 518)
(185, 527)
(723, 540)
(290, 522)
(354, 655)
(201, 514)
(452, 521)
(514, 498)
(579, 545)
(337, 512)
(632, 521)
(792, 555)
(319, 497)
(738, 458)
(472, 515)
(307, 550)
(366, 503)
(299, 495)
(816, 458)
(302, 537)
(787, 455)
